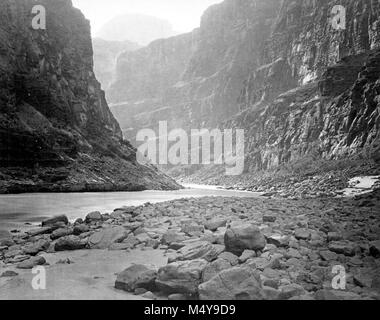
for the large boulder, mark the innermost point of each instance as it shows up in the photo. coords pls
(57, 220)
(199, 250)
(181, 277)
(136, 276)
(232, 284)
(36, 247)
(70, 243)
(243, 237)
(94, 217)
(105, 238)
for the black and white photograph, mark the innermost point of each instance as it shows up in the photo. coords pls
(185, 151)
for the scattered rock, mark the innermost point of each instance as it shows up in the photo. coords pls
(172, 237)
(198, 250)
(232, 284)
(290, 291)
(70, 243)
(375, 249)
(302, 234)
(62, 232)
(334, 236)
(247, 254)
(143, 238)
(278, 240)
(55, 221)
(181, 277)
(177, 297)
(80, 228)
(191, 228)
(105, 238)
(136, 276)
(343, 247)
(268, 218)
(215, 224)
(8, 274)
(31, 263)
(215, 268)
(230, 257)
(242, 237)
(41, 231)
(65, 261)
(149, 295)
(328, 255)
(93, 217)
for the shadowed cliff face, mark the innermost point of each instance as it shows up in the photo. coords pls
(278, 69)
(56, 130)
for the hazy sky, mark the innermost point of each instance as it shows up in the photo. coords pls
(184, 15)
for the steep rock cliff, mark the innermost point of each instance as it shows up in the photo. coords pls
(204, 87)
(281, 70)
(56, 130)
(332, 111)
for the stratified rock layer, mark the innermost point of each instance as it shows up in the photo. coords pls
(301, 87)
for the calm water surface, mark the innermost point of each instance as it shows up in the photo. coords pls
(16, 210)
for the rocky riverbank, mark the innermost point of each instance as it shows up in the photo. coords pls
(212, 248)
(303, 180)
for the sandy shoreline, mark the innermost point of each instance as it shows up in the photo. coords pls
(91, 276)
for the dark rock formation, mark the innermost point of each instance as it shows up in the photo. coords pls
(56, 130)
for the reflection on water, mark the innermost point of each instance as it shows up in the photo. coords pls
(32, 208)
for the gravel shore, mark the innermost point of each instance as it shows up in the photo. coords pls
(210, 248)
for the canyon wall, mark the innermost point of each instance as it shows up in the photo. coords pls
(56, 130)
(301, 80)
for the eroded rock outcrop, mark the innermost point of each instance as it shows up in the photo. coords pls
(56, 130)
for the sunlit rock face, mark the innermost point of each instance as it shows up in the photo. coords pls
(332, 110)
(297, 77)
(56, 130)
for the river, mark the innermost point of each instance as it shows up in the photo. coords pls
(20, 210)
